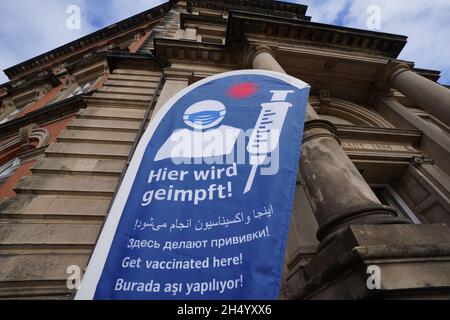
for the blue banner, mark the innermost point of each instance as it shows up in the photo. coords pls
(204, 208)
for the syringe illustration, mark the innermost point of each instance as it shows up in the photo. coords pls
(266, 135)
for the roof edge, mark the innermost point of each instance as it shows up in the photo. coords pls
(15, 71)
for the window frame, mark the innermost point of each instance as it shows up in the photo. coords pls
(394, 200)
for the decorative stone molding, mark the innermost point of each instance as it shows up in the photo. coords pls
(168, 50)
(393, 69)
(255, 50)
(315, 34)
(24, 134)
(319, 128)
(68, 82)
(18, 83)
(41, 92)
(421, 160)
(27, 134)
(92, 42)
(275, 8)
(6, 105)
(60, 70)
(330, 66)
(349, 111)
(175, 74)
(27, 144)
(325, 100)
(3, 92)
(24, 95)
(43, 74)
(383, 87)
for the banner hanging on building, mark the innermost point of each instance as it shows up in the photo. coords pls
(204, 209)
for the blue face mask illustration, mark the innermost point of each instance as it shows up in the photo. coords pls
(204, 114)
(204, 118)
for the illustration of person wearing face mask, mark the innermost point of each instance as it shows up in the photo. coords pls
(203, 139)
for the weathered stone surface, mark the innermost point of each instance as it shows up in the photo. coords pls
(96, 136)
(134, 78)
(15, 205)
(338, 192)
(112, 113)
(56, 217)
(95, 150)
(64, 207)
(79, 166)
(113, 103)
(137, 72)
(414, 262)
(36, 267)
(132, 84)
(119, 125)
(116, 96)
(170, 88)
(35, 234)
(67, 184)
(128, 90)
(42, 275)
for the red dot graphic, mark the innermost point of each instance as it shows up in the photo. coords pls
(243, 90)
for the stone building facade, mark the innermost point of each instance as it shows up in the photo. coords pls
(374, 187)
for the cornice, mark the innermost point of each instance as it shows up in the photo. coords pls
(116, 58)
(174, 49)
(86, 60)
(333, 53)
(43, 78)
(433, 75)
(276, 8)
(375, 47)
(241, 24)
(88, 41)
(59, 109)
(379, 134)
(195, 18)
(393, 69)
(45, 114)
(177, 74)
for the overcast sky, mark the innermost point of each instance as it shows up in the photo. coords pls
(31, 27)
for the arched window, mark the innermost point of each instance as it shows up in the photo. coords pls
(343, 112)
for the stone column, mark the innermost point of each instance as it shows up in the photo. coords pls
(263, 59)
(429, 95)
(413, 259)
(434, 141)
(340, 196)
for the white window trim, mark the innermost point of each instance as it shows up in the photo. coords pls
(8, 169)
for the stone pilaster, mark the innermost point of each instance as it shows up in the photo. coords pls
(175, 81)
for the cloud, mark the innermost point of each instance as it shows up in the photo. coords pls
(426, 23)
(29, 27)
(105, 12)
(325, 11)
